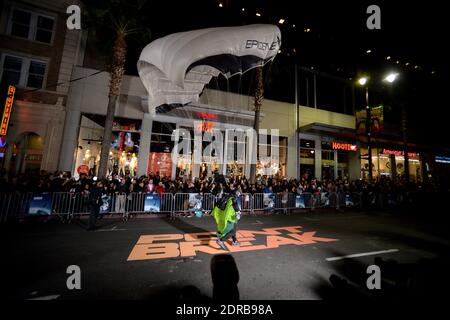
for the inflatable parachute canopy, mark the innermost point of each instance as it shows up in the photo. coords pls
(174, 69)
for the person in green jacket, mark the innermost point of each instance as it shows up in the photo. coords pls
(226, 214)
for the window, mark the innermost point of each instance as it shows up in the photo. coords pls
(20, 23)
(22, 72)
(12, 67)
(44, 29)
(31, 25)
(162, 137)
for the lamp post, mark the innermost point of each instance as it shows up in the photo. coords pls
(363, 82)
(390, 78)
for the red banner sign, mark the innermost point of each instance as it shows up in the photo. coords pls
(7, 111)
(160, 162)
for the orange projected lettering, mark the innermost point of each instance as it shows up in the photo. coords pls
(164, 246)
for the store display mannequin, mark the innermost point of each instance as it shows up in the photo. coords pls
(133, 164)
(110, 165)
(122, 164)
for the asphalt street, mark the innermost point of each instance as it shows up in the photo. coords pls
(290, 257)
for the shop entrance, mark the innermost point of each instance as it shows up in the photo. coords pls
(27, 154)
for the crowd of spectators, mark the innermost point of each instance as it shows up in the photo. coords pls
(154, 183)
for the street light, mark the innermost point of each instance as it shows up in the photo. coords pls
(391, 77)
(362, 81)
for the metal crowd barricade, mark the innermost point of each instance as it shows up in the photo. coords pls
(79, 205)
(118, 204)
(308, 200)
(62, 205)
(14, 205)
(181, 204)
(20, 204)
(283, 202)
(135, 202)
(348, 199)
(5, 202)
(320, 200)
(333, 200)
(66, 205)
(166, 203)
(292, 201)
(208, 202)
(357, 199)
(246, 203)
(258, 203)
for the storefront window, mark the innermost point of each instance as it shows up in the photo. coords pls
(390, 163)
(185, 159)
(160, 161)
(343, 164)
(123, 153)
(307, 158)
(266, 165)
(236, 151)
(365, 163)
(328, 161)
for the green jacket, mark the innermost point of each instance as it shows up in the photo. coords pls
(225, 219)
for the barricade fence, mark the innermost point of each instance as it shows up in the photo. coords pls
(67, 205)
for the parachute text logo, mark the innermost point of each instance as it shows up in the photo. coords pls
(227, 147)
(263, 45)
(164, 246)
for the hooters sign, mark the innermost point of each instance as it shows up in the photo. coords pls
(164, 246)
(7, 111)
(344, 146)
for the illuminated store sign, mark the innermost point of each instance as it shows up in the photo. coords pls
(442, 159)
(344, 146)
(399, 153)
(204, 125)
(7, 111)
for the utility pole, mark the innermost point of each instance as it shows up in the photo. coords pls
(369, 132)
(405, 141)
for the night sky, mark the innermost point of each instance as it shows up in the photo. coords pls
(412, 33)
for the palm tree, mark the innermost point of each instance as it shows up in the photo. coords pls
(123, 18)
(259, 95)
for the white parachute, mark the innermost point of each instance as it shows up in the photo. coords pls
(174, 69)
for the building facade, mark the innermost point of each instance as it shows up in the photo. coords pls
(60, 105)
(37, 54)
